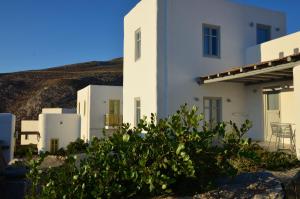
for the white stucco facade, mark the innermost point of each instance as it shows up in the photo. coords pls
(30, 132)
(63, 127)
(275, 49)
(58, 124)
(296, 109)
(7, 135)
(172, 53)
(140, 76)
(172, 56)
(93, 106)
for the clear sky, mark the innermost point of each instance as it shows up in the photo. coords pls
(43, 33)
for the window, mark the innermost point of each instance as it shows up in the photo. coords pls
(211, 41)
(137, 111)
(114, 107)
(138, 44)
(26, 136)
(53, 145)
(79, 107)
(273, 101)
(212, 110)
(263, 33)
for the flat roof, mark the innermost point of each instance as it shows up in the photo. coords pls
(269, 71)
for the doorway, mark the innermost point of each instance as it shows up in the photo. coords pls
(272, 111)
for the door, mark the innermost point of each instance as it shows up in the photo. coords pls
(53, 145)
(272, 111)
(114, 112)
(114, 107)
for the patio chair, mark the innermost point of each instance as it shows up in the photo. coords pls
(283, 131)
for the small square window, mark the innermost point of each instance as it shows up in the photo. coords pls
(211, 41)
(263, 33)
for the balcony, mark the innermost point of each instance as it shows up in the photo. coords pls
(112, 120)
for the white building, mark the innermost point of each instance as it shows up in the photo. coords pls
(178, 52)
(100, 107)
(55, 129)
(29, 132)
(7, 135)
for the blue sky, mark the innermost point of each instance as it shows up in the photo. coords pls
(43, 33)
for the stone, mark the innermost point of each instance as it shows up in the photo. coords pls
(260, 185)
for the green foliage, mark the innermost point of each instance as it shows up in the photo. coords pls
(278, 160)
(154, 158)
(24, 151)
(76, 147)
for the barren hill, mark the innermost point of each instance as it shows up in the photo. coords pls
(26, 93)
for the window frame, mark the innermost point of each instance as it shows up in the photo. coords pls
(218, 28)
(137, 42)
(136, 109)
(265, 27)
(219, 109)
(54, 147)
(268, 105)
(115, 105)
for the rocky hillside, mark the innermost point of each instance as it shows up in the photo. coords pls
(26, 93)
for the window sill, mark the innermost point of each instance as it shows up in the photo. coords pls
(211, 56)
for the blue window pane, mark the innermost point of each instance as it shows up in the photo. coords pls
(206, 45)
(214, 46)
(211, 41)
(214, 32)
(263, 34)
(206, 31)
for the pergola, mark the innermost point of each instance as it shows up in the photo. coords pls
(278, 70)
(271, 71)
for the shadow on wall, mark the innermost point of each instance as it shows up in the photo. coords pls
(253, 55)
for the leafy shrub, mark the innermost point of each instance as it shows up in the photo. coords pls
(278, 160)
(23, 151)
(176, 154)
(61, 152)
(76, 147)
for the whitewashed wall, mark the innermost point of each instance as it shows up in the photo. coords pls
(172, 54)
(297, 107)
(287, 45)
(31, 139)
(140, 76)
(97, 105)
(58, 110)
(29, 126)
(7, 134)
(185, 59)
(65, 127)
(83, 97)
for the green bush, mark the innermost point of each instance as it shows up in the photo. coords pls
(24, 151)
(278, 160)
(76, 147)
(175, 155)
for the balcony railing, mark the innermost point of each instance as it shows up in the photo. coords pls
(112, 120)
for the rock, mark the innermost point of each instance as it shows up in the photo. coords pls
(292, 187)
(260, 185)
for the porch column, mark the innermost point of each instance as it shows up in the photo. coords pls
(297, 108)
